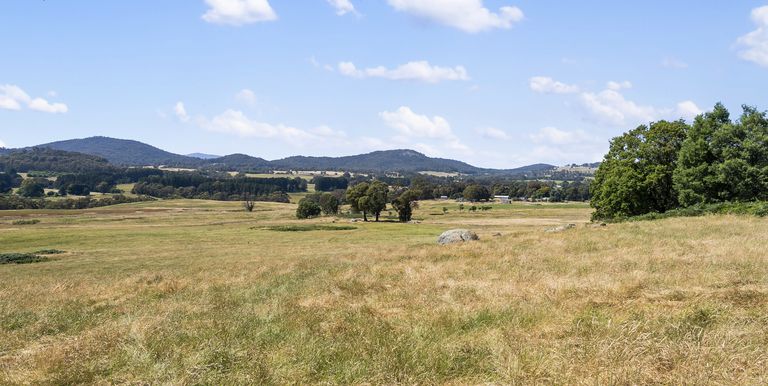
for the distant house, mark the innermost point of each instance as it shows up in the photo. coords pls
(443, 197)
(502, 199)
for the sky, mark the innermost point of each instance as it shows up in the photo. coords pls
(494, 83)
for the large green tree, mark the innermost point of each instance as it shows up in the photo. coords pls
(329, 203)
(636, 176)
(405, 203)
(476, 193)
(357, 198)
(31, 188)
(723, 160)
(368, 198)
(377, 198)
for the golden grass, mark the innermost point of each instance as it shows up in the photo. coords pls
(188, 292)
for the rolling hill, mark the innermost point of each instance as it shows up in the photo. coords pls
(123, 151)
(134, 153)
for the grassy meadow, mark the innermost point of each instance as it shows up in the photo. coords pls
(201, 292)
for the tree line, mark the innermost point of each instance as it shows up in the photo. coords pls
(199, 186)
(670, 165)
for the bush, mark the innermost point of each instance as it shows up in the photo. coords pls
(307, 209)
(21, 258)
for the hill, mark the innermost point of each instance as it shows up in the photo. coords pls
(46, 159)
(203, 156)
(401, 160)
(135, 153)
(239, 162)
(122, 151)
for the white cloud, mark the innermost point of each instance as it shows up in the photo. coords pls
(181, 112)
(419, 71)
(674, 63)
(467, 15)
(410, 124)
(342, 7)
(687, 110)
(2, 144)
(246, 97)
(238, 12)
(12, 97)
(235, 122)
(755, 43)
(40, 104)
(494, 133)
(612, 108)
(547, 85)
(616, 86)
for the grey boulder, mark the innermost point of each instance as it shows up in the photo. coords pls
(457, 236)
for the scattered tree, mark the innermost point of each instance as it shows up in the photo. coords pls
(476, 193)
(307, 209)
(31, 188)
(405, 203)
(329, 204)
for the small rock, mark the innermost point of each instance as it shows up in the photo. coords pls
(414, 222)
(561, 228)
(457, 236)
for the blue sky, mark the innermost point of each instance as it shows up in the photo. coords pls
(494, 83)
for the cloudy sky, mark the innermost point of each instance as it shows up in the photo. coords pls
(494, 83)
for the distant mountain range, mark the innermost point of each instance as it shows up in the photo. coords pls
(203, 156)
(133, 153)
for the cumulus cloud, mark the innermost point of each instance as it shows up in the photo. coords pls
(411, 126)
(494, 133)
(238, 12)
(755, 43)
(467, 15)
(237, 123)
(181, 112)
(612, 108)
(13, 97)
(616, 86)
(342, 7)
(547, 85)
(418, 71)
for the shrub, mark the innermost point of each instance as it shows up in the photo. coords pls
(307, 209)
(21, 258)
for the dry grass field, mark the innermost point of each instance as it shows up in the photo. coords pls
(201, 292)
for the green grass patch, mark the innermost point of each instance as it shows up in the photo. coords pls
(26, 222)
(49, 252)
(21, 258)
(756, 208)
(308, 228)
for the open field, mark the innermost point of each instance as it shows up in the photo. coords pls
(190, 292)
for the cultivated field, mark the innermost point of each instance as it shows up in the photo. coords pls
(191, 292)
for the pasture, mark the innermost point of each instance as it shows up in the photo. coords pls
(201, 292)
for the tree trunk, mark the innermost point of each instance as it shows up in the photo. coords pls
(365, 218)
(377, 216)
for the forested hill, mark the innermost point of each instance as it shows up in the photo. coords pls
(402, 160)
(123, 151)
(44, 159)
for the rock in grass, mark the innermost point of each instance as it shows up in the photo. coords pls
(457, 236)
(561, 228)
